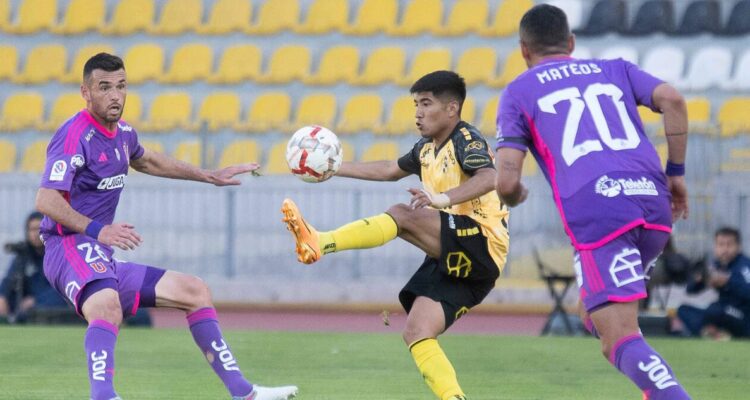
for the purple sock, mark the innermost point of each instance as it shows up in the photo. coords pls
(647, 369)
(99, 344)
(205, 329)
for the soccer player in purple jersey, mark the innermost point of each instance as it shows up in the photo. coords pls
(579, 119)
(87, 164)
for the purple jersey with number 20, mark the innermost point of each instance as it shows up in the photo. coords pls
(579, 119)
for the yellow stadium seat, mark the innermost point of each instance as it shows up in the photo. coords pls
(269, 112)
(228, 16)
(131, 16)
(315, 109)
(362, 113)
(325, 16)
(82, 16)
(420, 16)
(9, 66)
(7, 156)
(144, 62)
(381, 150)
(34, 157)
(427, 61)
(133, 110)
(33, 16)
(478, 65)
(734, 117)
(75, 74)
(238, 63)
(276, 16)
(276, 161)
(507, 18)
(488, 123)
(153, 145)
(44, 63)
(65, 106)
(287, 64)
(384, 65)
(21, 110)
(514, 66)
(649, 117)
(338, 64)
(219, 110)
(699, 111)
(347, 151)
(4, 14)
(468, 110)
(189, 152)
(374, 16)
(240, 152)
(401, 119)
(178, 16)
(467, 16)
(190, 62)
(169, 111)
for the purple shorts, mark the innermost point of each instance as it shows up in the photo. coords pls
(73, 261)
(616, 271)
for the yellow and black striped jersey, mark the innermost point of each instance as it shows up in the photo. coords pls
(443, 168)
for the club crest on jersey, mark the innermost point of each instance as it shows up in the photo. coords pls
(113, 182)
(58, 170)
(77, 161)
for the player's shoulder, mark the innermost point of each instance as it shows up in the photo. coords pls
(125, 127)
(421, 143)
(465, 133)
(72, 129)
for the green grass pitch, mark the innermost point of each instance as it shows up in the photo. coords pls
(48, 363)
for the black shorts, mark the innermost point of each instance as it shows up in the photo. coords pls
(464, 274)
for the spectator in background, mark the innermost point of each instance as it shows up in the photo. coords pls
(730, 277)
(25, 288)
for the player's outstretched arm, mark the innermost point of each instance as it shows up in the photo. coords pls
(51, 202)
(672, 104)
(372, 171)
(158, 164)
(509, 163)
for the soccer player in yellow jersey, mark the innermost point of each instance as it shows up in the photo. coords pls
(456, 218)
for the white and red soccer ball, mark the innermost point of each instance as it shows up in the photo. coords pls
(314, 153)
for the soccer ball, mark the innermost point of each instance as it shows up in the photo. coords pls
(314, 154)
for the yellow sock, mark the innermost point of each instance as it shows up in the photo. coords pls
(437, 371)
(360, 234)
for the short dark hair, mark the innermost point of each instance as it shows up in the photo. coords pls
(729, 231)
(104, 61)
(442, 83)
(544, 28)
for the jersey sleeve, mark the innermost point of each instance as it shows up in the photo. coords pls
(65, 155)
(512, 128)
(642, 84)
(136, 150)
(472, 151)
(409, 162)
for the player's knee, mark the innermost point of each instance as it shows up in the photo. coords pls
(400, 214)
(412, 334)
(196, 292)
(104, 305)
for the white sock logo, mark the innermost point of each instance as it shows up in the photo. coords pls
(658, 373)
(98, 366)
(225, 356)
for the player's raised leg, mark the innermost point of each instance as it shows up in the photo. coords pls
(101, 308)
(361, 234)
(426, 320)
(190, 294)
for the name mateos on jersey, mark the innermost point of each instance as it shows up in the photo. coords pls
(113, 182)
(566, 71)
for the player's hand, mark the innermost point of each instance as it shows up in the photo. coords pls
(718, 279)
(225, 176)
(121, 235)
(421, 198)
(678, 188)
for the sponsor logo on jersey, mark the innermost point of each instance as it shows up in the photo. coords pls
(71, 290)
(625, 267)
(90, 135)
(477, 160)
(124, 127)
(609, 187)
(475, 145)
(113, 182)
(58, 170)
(77, 161)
